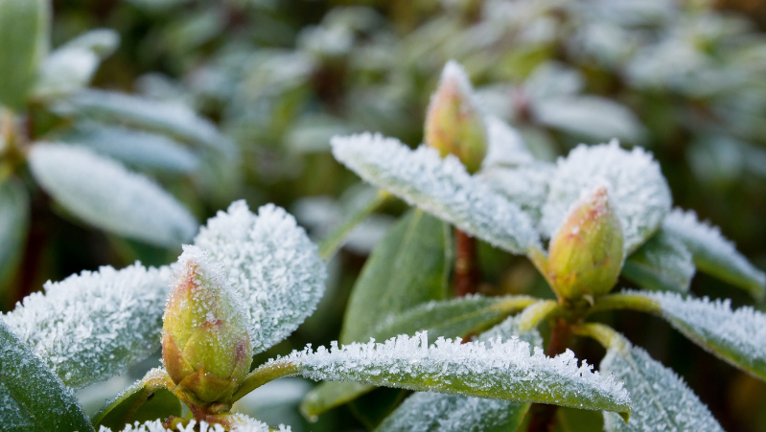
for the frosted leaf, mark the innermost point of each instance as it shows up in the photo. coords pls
(589, 116)
(737, 336)
(637, 189)
(270, 261)
(661, 400)
(105, 194)
(174, 119)
(439, 186)
(713, 253)
(526, 185)
(92, 326)
(662, 263)
(239, 423)
(506, 146)
(134, 148)
(495, 368)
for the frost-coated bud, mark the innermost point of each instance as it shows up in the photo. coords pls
(205, 344)
(586, 253)
(454, 124)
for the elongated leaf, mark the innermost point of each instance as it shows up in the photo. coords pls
(496, 369)
(738, 337)
(24, 34)
(92, 326)
(14, 214)
(31, 397)
(271, 263)
(640, 193)
(134, 148)
(526, 185)
(441, 187)
(72, 66)
(661, 264)
(713, 253)
(176, 120)
(506, 147)
(662, 401)
(103, 193)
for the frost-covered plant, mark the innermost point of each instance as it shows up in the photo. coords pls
(73, 143)
(600, 212)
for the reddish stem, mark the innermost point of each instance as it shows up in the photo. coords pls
(466, 266)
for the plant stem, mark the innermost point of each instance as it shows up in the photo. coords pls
(466, 266)
(543, 415)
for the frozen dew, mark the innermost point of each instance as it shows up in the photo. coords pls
(638, 190)
(92, 326)
(506, 146)
(239, 423)
(439, 186)
(661, 400)
(270, 261)
(526, 185)
(497, 368)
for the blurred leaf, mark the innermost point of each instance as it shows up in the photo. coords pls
(142, 401)
(174, 119)
(32, 397)
(14, 223)
(135, 148)
(662, 401)
(713, 253)
(360, 209)
(24, 34)
(372, 408)
(663, 263)
(105, 194)
(72, 66)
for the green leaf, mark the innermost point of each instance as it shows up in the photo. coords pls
(173, 119)
(143, 150)
(14, 223)
(31, 397)
(24, 34)
(661, 264)
(662, 401)
(372, 408)
(143, 401)
(329, 395)
(105, 194)
(713, 253)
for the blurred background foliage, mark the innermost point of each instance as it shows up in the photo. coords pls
(685, 79)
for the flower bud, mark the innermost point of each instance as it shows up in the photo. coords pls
(206, 347)
(454, 124)
(586, 253)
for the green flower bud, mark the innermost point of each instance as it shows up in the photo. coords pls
(206, 347)
(586, 253)
(454, 124)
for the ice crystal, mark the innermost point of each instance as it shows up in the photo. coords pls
(712, 251)
(738, 336)
(638, 190)
(240, 423)
(439, 186)
(662, 401)
(506, 146)
(526, 185)
(270, 261)
(92, 326)
(495, 368)
(105, 194)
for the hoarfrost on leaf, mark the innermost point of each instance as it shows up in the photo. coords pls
(638, 190)
(239, 423)
(662, 401)
(94, 325)
(494, 368)
(505, 147)
(713, 253)
(102, 192)
(662, 263)
(525, 185)
(439, 186)
(270, 261)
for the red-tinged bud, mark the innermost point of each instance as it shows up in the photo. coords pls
(206, 347)
(454, 124)
(586, 253)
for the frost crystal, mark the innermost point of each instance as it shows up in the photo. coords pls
(506, 146)
(526, 186)
(240, 423)
(738, 337)
(105, 194)
(712, 252)
(662, 401)
(92, 326)
(439, 186)
(638, 190)
(495, 368)
(270, 261)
